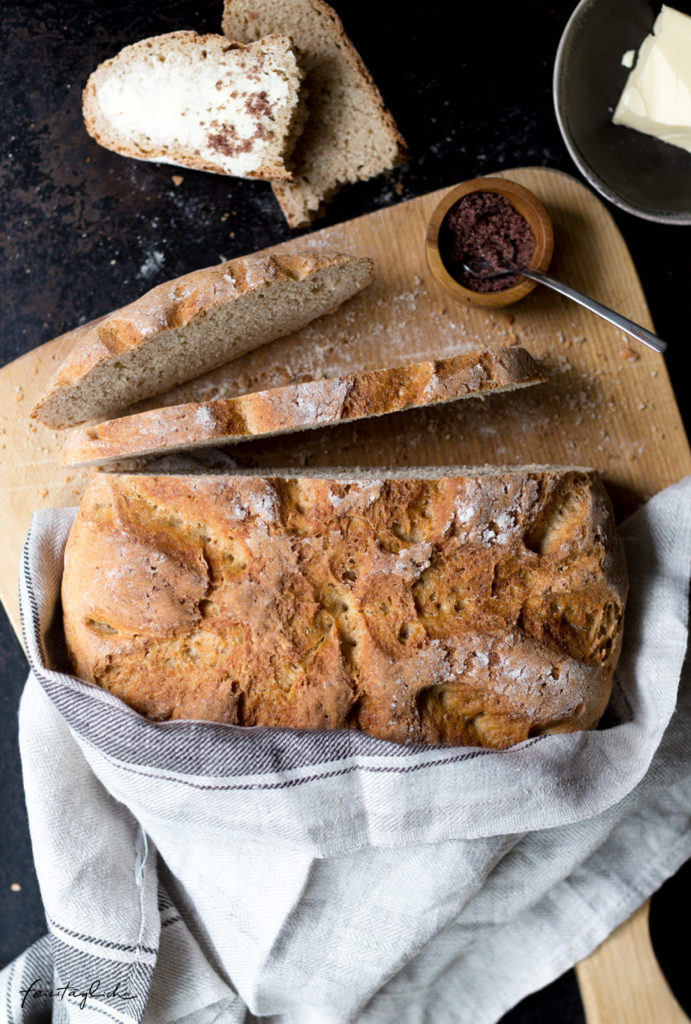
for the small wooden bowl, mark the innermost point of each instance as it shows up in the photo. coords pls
(527, 204)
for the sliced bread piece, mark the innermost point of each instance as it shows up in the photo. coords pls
(193, 324)
(439, 605)
(200, 101)
(349, 135)
(301, 406)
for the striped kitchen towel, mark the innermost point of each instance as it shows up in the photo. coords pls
(201, 873)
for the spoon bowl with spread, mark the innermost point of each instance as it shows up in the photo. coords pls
(494, 220)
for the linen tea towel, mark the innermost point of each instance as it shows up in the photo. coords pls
(317, 877)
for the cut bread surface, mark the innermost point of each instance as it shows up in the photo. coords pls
(302, 406)
(200, 101)
(193, 324)
(349, 134)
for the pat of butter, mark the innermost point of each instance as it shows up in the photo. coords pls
(657, 96)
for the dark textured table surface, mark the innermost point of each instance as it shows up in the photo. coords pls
(86, 231)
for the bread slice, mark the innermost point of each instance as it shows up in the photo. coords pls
(301, 406)
(200, 101)
(193, 324)
(441, 606)
(349, 135)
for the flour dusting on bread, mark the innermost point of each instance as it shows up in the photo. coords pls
(371, 601)
(302, 406)
(192, 324)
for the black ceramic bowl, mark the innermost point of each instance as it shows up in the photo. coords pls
(638, 173)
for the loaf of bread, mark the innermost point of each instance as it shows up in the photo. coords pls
(301, 406)
(349, 134)
(439, 606)
(204, 102)
(192, 324)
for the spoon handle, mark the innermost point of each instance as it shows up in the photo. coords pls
(628, 326)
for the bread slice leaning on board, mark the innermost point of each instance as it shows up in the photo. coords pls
(192, 324)
(302, 406)
(446, 605)
(349, 134)
(200, 101)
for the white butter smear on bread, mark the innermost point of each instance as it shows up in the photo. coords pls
(199, 101)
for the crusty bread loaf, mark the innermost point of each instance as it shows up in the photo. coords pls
(193, 324)
(443, 606)
(349, 134)
(301, 406)
(203, 102)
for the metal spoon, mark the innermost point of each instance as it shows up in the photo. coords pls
(483, 269)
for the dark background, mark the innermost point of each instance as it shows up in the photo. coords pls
(86, 231)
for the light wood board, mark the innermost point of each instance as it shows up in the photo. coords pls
(621, 982)
(609, 405)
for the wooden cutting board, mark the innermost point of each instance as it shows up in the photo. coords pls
(609, 404)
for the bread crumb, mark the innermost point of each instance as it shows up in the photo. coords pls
(15, 887)
(177, 180)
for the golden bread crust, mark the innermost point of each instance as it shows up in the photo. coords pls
(302, 406)
(469, 608)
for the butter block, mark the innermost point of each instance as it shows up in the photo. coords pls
(656, 99)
